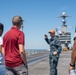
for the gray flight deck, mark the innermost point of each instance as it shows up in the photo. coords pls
(42, 67)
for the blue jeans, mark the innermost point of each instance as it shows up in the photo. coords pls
(2, 70)
(53, 66)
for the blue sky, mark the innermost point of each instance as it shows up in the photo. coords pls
(39, 17)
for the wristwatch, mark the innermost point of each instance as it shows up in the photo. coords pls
(72, 65)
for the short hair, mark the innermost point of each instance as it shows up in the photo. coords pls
(1, 26)
(74, 38)
(16, 20)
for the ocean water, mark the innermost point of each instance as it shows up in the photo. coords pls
(34, 51)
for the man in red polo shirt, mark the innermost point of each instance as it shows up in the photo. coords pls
(13, 47)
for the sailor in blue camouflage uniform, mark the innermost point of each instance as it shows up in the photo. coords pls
(55, 50)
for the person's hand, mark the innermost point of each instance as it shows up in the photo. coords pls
(71, 68)
(54, 53)
(45, 36)
(27, 72)
(27, 69)
(26, 66)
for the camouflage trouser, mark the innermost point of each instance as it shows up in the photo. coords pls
(53, 66)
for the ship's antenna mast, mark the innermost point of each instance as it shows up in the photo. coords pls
(63, 16)
(64, 26)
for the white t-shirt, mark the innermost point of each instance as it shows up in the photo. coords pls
(1, 56)
(1, 41)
